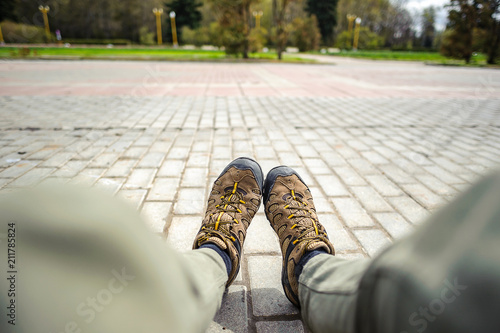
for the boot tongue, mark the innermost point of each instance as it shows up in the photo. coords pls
(316, 245)
(217, 241)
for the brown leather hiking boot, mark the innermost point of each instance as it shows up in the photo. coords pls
(235, 198)
(290, 209)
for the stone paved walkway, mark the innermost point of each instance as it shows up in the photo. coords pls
(381, 145)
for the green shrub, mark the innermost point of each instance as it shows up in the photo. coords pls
(215, 36)
(257, 39)
(197, 37)
(454, 45)
(231, 37)
(97, 41)
(344, 40)
(305, 33)
(22, 33)
(146, 37)
(367, 40)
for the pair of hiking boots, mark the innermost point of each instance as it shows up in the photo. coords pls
(235, 198)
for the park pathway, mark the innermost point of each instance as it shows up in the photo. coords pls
(381, 144)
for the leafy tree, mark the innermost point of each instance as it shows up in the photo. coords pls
(374, 13)
(7, 8)
(280, 8)
(489, 23)
(95, 19)
(398, 30)
(306, 35)
(462, 19)
(187, 14)
(387, 18)
(473, 26)
(326, 14)
(234, 18)
(428, 28)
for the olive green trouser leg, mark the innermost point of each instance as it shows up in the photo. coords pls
(86, 263)
(328, 290)
(444, 277)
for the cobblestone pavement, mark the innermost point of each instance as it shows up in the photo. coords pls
(380, 144)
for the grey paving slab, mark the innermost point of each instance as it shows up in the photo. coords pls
(233, 315)
(181, 232)
(133, 197)
(280, 326)
(268, 297)
(163, 189)
(394, 224)
(338, 234)
(261, 238)
(372, 241)
(351, 211)
(156, 215)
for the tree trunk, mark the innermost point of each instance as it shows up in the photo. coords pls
(275, 23)
(274, 10)
(495, 44)
(281, 35)
(279, 32)
(246, 28)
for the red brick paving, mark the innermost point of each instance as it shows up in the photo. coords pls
(346, 78)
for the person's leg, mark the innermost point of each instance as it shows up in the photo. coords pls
(215, 260)
(328, 293)
(85, 262)
(442, 278)
(235, 198)
(323, 286)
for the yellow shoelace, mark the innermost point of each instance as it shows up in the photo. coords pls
(303, 206)
(226, 206)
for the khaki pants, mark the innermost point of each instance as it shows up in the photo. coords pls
(445, 277)
(84, 263)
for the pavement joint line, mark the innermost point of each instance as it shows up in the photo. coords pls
(168, 221)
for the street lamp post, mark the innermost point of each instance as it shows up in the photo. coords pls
(258, 15)
(174, 30)
(356, 34)
(2, 41)
(158, 12)
(351, 19)
(45, 10)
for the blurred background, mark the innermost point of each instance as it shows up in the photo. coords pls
(387, 109)
(437, 31)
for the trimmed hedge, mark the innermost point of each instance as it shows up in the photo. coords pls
(97, 41)
(22, 33)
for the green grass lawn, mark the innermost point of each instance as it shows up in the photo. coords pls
(429, 57)
(154, 53)
(130, 53)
